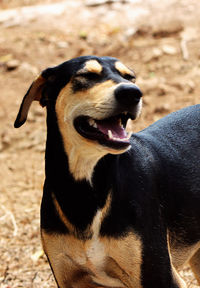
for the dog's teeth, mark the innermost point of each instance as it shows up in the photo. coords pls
(110, 135)
(120, 123)
(92, 123)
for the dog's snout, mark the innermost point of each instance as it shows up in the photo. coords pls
(128, 95)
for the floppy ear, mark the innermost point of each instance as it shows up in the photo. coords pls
(33, 93)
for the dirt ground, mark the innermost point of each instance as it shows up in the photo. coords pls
(160, 41)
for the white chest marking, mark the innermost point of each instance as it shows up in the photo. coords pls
(110, 262)
(96, 254)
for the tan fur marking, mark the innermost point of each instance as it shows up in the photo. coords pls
(125, 258)
(175, 261)
(92, 230)
(64, 253)
(93, 66)
(119, 266)
(95, 249)
(195, 265)
(123, 69)
(181, 283)
(180, 253)
(95, 262)
(63, 218)
(100, 216)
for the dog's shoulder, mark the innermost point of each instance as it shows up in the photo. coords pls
(176, 132)
(177, 122)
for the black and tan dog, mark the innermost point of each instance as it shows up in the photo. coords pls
(117, 210)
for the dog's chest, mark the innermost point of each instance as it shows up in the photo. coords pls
(99, 261)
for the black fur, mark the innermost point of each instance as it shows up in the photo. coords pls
(155, 185)
(163, 169)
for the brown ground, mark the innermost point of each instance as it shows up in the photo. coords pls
(159, 40)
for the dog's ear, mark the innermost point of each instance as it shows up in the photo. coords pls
(45, 88)
(34, 93)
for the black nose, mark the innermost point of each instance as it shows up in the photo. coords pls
(128, 94)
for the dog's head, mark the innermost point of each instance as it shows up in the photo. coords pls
(93, 98)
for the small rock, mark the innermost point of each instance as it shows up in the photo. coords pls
(153, 55)
(162, 89)
(169, 50)
(164, 108)
(151, 84)
(190, 33)
(130, 32)
(190, 86)
(178, 85)
(31, 117)
(157, 52)
(83, 34)
(40, 148)
(38, 113)
(26, 67)
(12, 64)
(62, 44)
(37, 255)
(5, 140)
(144, 30)
(5, 58)
(167, 29)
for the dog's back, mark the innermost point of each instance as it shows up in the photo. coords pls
(174, 143)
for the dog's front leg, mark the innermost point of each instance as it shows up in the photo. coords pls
(180, 282)
(157, 270)
(67, 272)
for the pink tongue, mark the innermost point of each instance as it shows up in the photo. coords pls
(112, 125)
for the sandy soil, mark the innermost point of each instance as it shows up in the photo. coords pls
(160, 41)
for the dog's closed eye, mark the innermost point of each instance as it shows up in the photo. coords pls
(88, 75)
(129, 77)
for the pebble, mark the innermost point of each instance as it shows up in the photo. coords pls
(28, 68)
(153, 55)
(191, 86)
(12, 64)
(167, 29)
(62, 44)
(164, 108)
(150, 84)
(169, 50)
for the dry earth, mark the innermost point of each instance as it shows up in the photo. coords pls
(160, 41)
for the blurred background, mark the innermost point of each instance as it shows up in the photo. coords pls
(158, 39)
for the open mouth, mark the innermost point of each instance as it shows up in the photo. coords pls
(110, 132)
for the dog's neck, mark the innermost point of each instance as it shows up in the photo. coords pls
(80, 199)
(82, 164)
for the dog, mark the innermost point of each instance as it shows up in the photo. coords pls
(118, 210)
